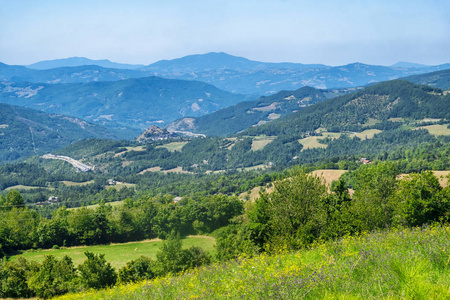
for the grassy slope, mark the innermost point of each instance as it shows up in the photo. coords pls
(119, 254)
(397, 264)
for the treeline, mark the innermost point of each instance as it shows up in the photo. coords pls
(301, 211)
(148, 217)
(52, 277)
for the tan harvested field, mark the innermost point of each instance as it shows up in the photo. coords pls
(72, 183)
(172, 147)
(254, 193)
(312, 141)
(260, 142)
(436, 129)
(274, 116)
(137, 148)
(329, 175)
(153, 169)
(177, 170)
(442, 177)
(366, 134)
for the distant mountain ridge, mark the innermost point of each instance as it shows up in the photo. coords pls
(220, 61)
(235, 74)
(80, 61)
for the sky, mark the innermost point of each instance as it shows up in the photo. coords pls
(332, 32)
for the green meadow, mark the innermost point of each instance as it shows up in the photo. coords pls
(118, 254)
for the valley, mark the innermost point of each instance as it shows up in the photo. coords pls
(151, 177)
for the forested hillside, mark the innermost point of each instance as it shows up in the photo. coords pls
(25, 132)
(127, 105)
(233, 119)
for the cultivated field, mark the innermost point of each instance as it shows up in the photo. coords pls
(119, 254)
(312, 141)
(437, 129)
(175, 146)
(72, 183)
(329, 175)
(260, 142)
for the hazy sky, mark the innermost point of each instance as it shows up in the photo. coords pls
(133, 31)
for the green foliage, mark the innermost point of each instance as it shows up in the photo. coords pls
(96, 273)
(138, 269)
(13, 278)
(53, 278)
(420, 200)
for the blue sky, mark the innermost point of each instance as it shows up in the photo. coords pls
(330, 32)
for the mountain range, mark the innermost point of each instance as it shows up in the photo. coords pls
(231, 73)
(128, 106)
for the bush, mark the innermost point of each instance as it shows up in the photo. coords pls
(96, 272)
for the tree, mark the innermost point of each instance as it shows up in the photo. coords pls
(96, 272)
(138, 269)
(296, 211)
(53, 278)
(14, 199)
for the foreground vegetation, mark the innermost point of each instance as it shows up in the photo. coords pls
(396, 264)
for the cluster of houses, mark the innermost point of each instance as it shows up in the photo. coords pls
(51, 200)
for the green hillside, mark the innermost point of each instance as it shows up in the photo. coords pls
(381, 102)
(439, 79)
(132, 104)
(25, 132)
(233, 119)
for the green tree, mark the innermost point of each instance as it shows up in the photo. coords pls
(96, 272)
(138, 269)
(53, 278)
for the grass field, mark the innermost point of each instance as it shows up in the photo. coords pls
(172, 147)
(120, 185)
(395, 264)
(119, 254)
(312, 141)
(260, 142)
(94, 206)
(72, 183)
(441, 175)
(436, 129)
(24, 187)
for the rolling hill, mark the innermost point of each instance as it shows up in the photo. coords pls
(25, 132)
(132, 104)
(233, 119)
(76, 74)
(380, 103)
(438, 79)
